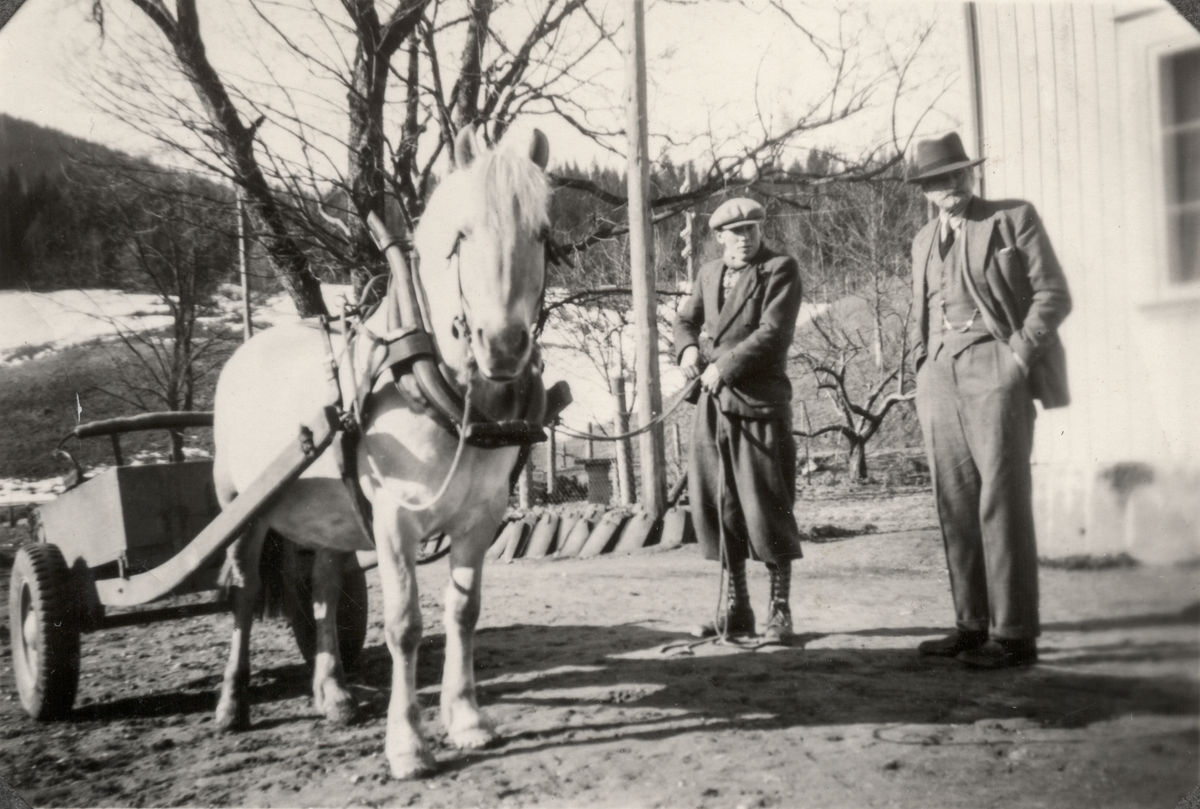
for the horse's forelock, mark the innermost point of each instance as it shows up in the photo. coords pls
(516, 193)
(502, 191)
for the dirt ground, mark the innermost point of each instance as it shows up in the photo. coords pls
(596, 711)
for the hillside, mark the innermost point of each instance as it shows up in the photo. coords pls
(74, 214)
(32, 151)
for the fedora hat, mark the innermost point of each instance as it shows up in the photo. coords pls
(939, 156)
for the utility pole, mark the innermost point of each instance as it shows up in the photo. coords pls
(247, 327)
(641, 266)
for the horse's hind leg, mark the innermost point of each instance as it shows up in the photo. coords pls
(330, 696)
(233, 709)
(465, 723)
(407, 753)
(230, 576)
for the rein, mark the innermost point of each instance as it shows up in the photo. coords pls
(682, 397)
(462, 442)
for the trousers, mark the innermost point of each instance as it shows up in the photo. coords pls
(977, 416)
(743, 469)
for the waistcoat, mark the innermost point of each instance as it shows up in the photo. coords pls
(960, 306)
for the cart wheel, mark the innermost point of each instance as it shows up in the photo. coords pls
(351, 618)
(44, 627)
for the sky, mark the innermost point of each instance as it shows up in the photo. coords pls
(719, 73)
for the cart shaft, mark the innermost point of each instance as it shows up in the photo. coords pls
(289, 465)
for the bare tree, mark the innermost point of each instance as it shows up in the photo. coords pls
(364, 97)
(360, 51)
(176, 241)
(857, 350)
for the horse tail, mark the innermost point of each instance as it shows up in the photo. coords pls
(277, 588)
(276, 573)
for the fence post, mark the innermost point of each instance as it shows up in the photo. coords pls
(624, 450)
(807, 444)
(525, 485)
(551, 463)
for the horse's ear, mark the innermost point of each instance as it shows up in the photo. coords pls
(466, 147)
(539, 148)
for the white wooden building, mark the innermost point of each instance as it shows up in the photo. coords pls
(1092, 112)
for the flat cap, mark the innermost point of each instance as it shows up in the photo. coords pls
(734, 212)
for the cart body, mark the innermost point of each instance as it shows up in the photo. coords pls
(129, 520)
(135, 535)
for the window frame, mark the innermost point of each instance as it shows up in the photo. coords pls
(1147, 40)
(1165, 132)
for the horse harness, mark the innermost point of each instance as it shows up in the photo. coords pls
(407, 352)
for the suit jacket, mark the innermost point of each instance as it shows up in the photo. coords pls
(751, 333)
(1018, 287)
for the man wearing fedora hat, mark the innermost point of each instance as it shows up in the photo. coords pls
(989, 295)
(742, 466)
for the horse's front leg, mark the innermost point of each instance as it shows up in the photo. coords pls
(233, 708)
(465, 722)
(407, 753)
(330, 696)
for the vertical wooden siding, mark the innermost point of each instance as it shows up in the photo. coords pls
(1052, 131)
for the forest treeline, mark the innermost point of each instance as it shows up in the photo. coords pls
(61, 196)
(74, 214)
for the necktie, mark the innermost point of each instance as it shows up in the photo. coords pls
(947, 239)
(729, 279)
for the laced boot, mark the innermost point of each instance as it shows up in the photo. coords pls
(779, 621)
(737, 616)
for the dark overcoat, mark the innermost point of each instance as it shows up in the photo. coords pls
(742, 469)
(751, 334)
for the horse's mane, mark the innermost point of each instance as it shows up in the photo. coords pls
(501, 190)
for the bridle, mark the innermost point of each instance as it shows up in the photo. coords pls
(407, 350)
(460, 324)
(410, 350)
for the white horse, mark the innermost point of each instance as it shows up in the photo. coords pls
(481, 241)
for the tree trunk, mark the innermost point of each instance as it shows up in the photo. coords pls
(858, 461)
(470, 77)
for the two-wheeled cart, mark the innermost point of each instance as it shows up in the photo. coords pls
(146, 535)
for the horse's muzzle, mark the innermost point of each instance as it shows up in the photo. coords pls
(503, 354)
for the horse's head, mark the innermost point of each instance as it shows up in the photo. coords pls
(482, 247)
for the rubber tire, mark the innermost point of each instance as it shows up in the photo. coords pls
(44, 630)
(352, 614)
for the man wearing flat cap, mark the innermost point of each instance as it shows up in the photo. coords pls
(989, 296)
(742, 467)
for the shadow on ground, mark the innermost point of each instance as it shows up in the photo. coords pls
(578, 665)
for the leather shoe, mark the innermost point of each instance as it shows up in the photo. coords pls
(1001, 653)
(779, 625)
(737, 620)
(953, 644)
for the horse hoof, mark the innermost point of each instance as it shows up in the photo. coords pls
(340, 711)
(473, 738)
(231, 718)
(417, 765)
